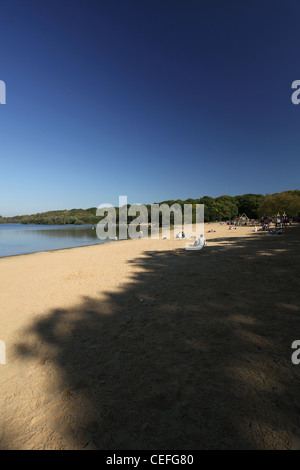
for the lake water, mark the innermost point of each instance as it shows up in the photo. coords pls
(19, 239)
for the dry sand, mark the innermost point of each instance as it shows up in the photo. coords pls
(141, 344)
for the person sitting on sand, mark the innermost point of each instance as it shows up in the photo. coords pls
(202, 240)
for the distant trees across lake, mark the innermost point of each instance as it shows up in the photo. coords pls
(220, 208)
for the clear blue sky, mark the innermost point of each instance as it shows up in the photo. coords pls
(153, 99)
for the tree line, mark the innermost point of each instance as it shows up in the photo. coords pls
(220, 208)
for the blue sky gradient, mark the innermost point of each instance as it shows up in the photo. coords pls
(155, 100)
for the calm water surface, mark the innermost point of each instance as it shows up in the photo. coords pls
(19, 239)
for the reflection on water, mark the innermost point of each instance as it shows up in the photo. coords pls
(18, 239)
(74, 234)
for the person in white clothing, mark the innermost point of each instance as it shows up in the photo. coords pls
(202, 240)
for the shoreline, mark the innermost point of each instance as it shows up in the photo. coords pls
(215, 224)
(55, 250)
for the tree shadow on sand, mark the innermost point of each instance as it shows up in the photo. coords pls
(193, 353)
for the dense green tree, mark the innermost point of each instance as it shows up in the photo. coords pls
(227, 207)
(220, 208)
(286, 201)
(249, 204)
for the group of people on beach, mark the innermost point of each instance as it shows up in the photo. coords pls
(280, 221)
(274, 225)
(180, 235)
(200, 241)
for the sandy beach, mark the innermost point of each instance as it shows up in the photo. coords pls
(141, 344)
